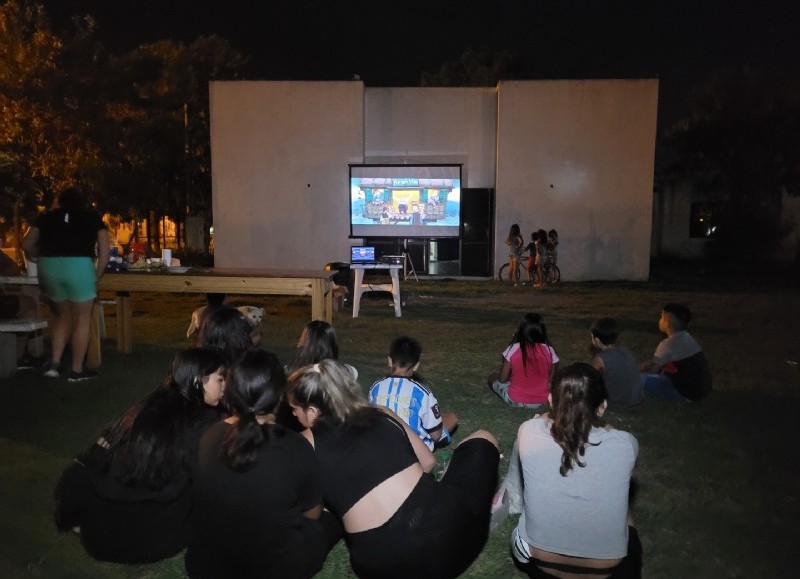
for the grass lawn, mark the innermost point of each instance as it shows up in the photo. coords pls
(716, 483)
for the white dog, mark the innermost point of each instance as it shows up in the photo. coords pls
(253, 314)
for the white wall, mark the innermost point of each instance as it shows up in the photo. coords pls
(279, 155)
(577, 156)
(280, 152)
(434, 125)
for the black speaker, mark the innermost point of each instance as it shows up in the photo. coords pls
(477, 231)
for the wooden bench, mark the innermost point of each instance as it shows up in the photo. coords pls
(8, 341)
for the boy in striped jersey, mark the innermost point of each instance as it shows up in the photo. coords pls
(404, 394)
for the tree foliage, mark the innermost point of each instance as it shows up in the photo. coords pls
(740, 145)
(42, 143)
(133, 128)
(474, 68)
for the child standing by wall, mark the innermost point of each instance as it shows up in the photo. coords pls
(515, 244)
(404, 394)
(532, 252)
(552, 246)
(541, 251)
(528, 364)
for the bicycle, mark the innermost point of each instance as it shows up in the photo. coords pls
(550, 271)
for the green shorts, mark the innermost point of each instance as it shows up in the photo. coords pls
(68, 279)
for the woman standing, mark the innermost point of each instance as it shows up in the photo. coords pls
(127, 496)
(399, 522)
(257, 487)
(64, 241)
(576, 473)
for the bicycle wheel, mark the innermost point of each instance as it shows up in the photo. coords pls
(504, 274)
(551, 273)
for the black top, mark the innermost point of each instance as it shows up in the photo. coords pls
(356, 459)
(251, 523)
(65, 233)
(692, 377)
(128, 523)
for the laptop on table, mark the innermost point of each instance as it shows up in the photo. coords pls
(362, 255)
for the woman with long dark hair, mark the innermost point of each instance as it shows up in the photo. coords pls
(127, 496)
(227, 332)
(398, 520)
(318, 342)
(527, 365)
(576, 473)
(258, 502)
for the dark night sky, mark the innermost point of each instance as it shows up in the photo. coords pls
(389, 43)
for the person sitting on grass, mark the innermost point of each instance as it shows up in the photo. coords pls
(398, 520)
(318, 342)
(576, 474)
(257, 489)
(228, 332)
(619, 367)
(127, 497)
(527, 366)
(679, 369)
(404, 394)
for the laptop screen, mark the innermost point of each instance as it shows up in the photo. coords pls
(362, 254)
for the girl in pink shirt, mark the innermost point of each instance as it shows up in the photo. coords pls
(528, 364)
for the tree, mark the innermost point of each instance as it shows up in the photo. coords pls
(740, 146)
(133, 129)
(162, 165)
(41, 148)
(474, 68)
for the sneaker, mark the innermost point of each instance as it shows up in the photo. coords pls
(26, 363)
(81, 376)
(52, 370)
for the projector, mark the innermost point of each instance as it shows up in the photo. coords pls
(392, 259)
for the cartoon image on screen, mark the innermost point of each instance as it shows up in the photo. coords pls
(405, 201)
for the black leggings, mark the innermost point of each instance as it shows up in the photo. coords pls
(440, 528)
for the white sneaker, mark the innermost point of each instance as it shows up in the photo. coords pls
(52, 370)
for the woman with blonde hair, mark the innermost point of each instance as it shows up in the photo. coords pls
(398, 520)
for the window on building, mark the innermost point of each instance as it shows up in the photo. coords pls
(704, 219)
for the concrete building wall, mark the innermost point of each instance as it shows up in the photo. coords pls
(672, 210)
(279, 155)
(434, 125)
(577, 156)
